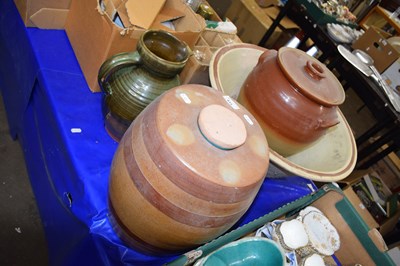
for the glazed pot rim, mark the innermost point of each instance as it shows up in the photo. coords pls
(239, 242)
(172, 37)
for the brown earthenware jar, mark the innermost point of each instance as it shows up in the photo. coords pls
(293, 96)
(186, 170)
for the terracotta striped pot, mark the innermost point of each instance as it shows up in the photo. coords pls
(174, 184)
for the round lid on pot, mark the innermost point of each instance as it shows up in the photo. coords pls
(198, 136)
(310, 76)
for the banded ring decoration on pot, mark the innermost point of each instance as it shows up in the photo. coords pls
(186, 170)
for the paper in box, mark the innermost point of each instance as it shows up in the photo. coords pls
(139, 18)
(44, 14)
(95, 31)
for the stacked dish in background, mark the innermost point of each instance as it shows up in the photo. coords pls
(342, 33)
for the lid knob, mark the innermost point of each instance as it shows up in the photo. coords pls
(222, 127)
(314, 70)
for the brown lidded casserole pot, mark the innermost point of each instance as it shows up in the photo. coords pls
(186, 170)
(293, 96)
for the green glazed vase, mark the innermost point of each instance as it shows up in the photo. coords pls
(130, 81)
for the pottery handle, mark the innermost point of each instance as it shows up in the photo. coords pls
(315, 70)
(267, 55)
(114, 63)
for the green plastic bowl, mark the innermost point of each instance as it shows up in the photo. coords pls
(246, 251)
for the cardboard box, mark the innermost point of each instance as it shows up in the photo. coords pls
(351, 251)
(384, 227)
(360, 208)
(44, 14)
(359, 245)
(389, 169)
(374, 42)
(196, 70)
(95, 31)
(251, 22)
(388, 226)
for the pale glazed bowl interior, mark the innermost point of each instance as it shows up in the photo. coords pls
(246, 251)
(230, 66)
(331, 158)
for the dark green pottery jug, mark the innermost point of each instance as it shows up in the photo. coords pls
(130, 81)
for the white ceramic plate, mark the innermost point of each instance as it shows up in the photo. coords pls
(338, 33)
(322, 234)
(293, 234)
(331, 158)
(307, 210)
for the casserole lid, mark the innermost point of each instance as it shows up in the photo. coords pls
(311, 77)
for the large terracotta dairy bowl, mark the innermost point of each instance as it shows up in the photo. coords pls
(186, 170)
(329, 157)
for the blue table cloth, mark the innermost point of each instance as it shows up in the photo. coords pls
(68, 153)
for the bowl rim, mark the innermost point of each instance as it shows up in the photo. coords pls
(216, 59)
(201, 261)
(328, 176)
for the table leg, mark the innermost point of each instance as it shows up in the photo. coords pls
(275, 23)
(333, 63)
(378, 157)
(302, 43)
(374, 146)
(381, 124)
(325, 56)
